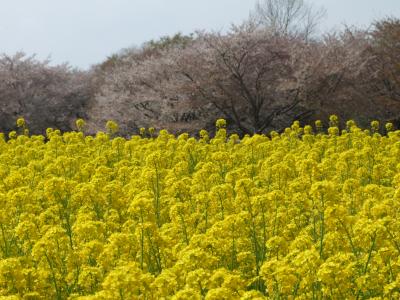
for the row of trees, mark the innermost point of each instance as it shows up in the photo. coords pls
(261, 75)
(257, 78)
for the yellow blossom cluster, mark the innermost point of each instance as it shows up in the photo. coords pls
(300, 214)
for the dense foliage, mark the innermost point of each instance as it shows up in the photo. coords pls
(259, 75)
(302, 214)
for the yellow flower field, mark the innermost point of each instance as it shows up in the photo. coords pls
(297, 215)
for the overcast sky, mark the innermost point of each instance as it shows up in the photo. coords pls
(85, 32)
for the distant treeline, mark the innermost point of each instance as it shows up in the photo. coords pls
(262, 74)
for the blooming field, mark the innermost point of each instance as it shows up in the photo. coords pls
(302, 215)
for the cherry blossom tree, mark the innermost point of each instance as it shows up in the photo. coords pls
(45, 95)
